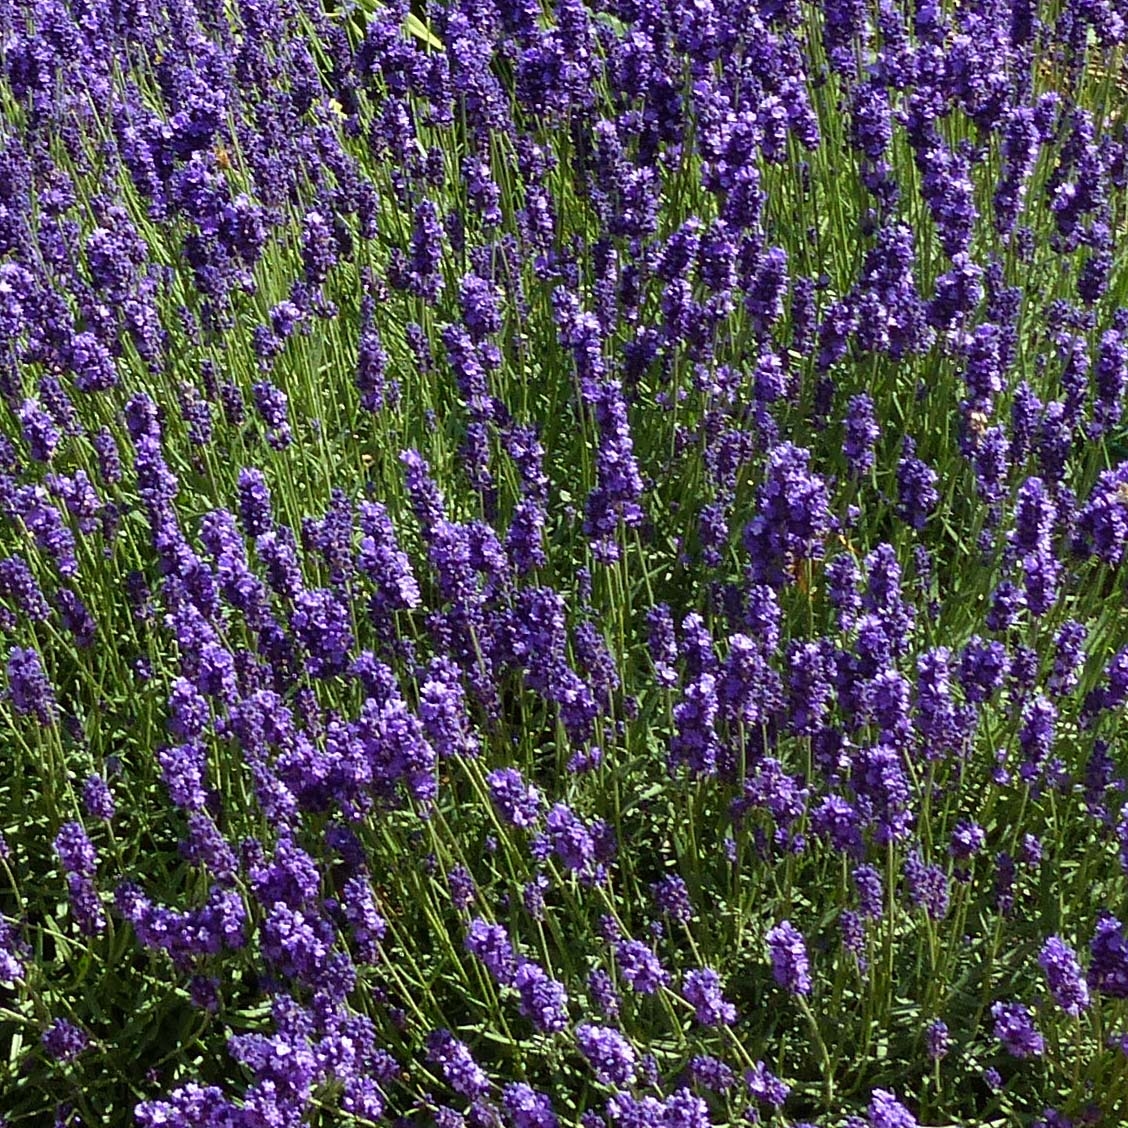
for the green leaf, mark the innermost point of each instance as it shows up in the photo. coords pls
(415, 26)
(616, 25)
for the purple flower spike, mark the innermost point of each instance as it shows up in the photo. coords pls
(64, 1041)
(790, 965)
(1064, 976)
(937, 1040)
(640, 967)
(75, 850)
(885, 1111)
(1108, 959)
(610, 1055)
(461, 1071)
(518, 802)
(1014, 1027)
(29, 689)
(792, 519)
(702, 988)
(527, 1108)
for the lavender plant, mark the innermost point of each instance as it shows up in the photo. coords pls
(562, 564)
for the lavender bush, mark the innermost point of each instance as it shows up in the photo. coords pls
(563, 564)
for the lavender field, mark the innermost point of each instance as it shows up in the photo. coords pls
(562, 563)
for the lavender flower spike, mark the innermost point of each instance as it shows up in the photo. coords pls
(790, 965)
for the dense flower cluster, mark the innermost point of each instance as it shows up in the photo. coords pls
(562, 563)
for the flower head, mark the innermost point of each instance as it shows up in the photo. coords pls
(790, 965)
(1014, 1027)
(1064, 976)
(64, 1041)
